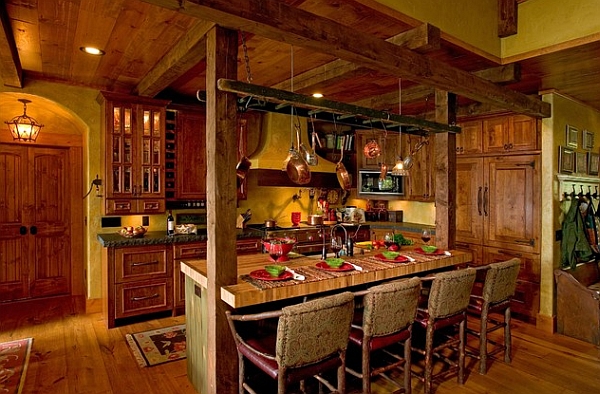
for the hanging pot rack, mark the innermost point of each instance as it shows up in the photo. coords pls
(261, 98)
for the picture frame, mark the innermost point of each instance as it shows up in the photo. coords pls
(593, 160)
(566, 160)
(587, 140)
(572, 137)
(581, 163)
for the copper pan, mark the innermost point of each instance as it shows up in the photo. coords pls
(243, 165)
(342, 174)
(296, 167)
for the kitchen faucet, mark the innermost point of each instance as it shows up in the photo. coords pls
(348, 243)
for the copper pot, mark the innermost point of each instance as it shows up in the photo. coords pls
(342, 174)
(296, 167)
(270, 223)
(315, 220)
(243, 165)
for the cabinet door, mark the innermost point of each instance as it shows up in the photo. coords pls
(420, 183)
(470, 139)
(192, 250)
(494, 130)
(469, 200)
(120, 150)
(364, 136)
(150, 140)
(191, 155)
(522, 135)
(512, 202)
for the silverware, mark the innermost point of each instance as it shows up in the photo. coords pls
(356, 267)
(294, 274)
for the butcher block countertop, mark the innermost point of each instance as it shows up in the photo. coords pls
(245, 293)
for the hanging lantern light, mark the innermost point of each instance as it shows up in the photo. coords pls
(399, 169)
(24, 128)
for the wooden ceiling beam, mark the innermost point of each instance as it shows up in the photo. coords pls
(509, 73)
(280, 22)
(507, 17)
(188, 52)
(10, 65)
(422, 39)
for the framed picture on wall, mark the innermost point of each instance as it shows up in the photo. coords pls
(587, 140)
(566, 160)
(581, 164)
(572, 137)
(593, 163)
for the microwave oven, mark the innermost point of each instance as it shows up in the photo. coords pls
(371, 183)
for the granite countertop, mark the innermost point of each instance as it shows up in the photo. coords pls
(401, 226)
(159, 237)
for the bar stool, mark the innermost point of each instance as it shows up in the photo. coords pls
(386, 320)
(498, 289)
(311, 338)
(444, 313)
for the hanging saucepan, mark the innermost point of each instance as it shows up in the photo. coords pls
(342, 174)
(243, 165)
(408, 162)
(311, 156)
(372, 149)
(297, 168)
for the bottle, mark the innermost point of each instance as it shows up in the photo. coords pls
(170, 224)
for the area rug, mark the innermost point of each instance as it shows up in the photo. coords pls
(158, 346)
(14, 359)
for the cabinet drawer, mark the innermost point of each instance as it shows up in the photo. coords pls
(190, 250)
(526, 301)
(530, 263)
(141, 263)
(136, 298)
(248, 246)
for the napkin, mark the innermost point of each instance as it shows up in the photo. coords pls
(295, 275)
(356, 267)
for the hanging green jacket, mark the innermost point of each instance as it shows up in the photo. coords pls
(574, 246)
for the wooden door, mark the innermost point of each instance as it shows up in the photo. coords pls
(191, 155)
(494, 139)
(470, 189)
(513, 202)
(522, 135)
(421, 179)
(35, 241)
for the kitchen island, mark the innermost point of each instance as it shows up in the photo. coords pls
(248, 292)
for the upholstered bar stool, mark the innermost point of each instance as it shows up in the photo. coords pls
(386, 320)
(311, 338)
(443, 317)
(498, 289)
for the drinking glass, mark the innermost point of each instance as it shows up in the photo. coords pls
(336, 245)
(296, 218)
(275, 250)
(388, 240)
(426, 236)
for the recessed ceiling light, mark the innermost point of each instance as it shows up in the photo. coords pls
(92, 51)
(318, 95)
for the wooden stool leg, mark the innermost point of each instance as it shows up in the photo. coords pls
(507, 336)
(407, 364)
(461, 350)
(483, 342)
(428, 359)
(241, 373)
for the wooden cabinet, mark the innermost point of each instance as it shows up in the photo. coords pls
(134, 143)
(191, 250)
(470, 139)
(35, 217)
(388, 144)
(420, 185)
(498, 217)
(137, 281)
(190, 148)
(510, 134)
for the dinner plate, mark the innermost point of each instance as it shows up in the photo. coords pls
(264, 275)
(344, 267)
(398, 259)
(438, 252)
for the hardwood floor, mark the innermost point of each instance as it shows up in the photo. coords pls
(75, 353)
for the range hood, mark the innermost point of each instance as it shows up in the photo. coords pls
(274, 141)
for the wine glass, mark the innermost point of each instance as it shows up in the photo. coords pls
(336, 245)
(426, 236)
(388, 240)
(275, 250)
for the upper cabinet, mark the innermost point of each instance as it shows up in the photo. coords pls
(503, 134)
(134, 143)
(420, 184)
(190, 156)
(387, 143)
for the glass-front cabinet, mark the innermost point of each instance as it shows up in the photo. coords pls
(134, 140)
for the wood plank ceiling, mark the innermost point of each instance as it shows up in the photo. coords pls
(156, 48)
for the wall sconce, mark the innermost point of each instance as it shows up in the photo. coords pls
(24, 128)
(96, 182)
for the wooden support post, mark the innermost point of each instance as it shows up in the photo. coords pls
(445, 172)
(221, 151)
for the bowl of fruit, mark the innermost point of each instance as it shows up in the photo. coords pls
(132, 232)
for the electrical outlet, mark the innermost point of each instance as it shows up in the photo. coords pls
(145, 220)
(558, 235)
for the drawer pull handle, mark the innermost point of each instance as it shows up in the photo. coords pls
(510, 253)
(155, 295)
(144, 263)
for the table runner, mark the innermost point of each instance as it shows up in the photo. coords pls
(314, 274)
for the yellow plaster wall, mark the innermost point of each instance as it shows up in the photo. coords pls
(544, 23)
(473, 22)
(565, 111)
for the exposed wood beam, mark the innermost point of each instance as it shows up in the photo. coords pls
(507, 17)
(422, 39)
(10, 65)
(502, 74)
(188, 52)
(278, 21)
